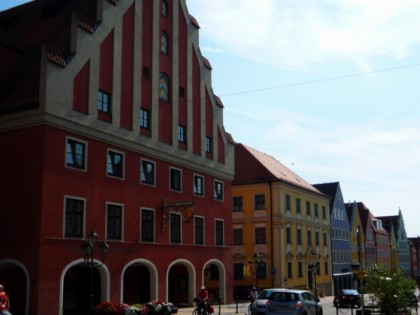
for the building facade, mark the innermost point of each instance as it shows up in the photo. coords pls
(110, 122)
(340, 237)
(402, 243)
(286, 221)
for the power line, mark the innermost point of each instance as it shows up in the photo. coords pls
(321, 80)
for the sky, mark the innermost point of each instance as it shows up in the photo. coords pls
(330, 88)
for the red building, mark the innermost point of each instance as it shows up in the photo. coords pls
(108, 121)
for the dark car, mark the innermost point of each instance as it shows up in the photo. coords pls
(293, 302)
(348, 297)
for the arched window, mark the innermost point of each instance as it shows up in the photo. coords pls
(165, 8)
(163, 87)
(164, 41)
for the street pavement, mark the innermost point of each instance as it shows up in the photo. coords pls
(241, 308)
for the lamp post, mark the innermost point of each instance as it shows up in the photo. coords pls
(88, 251)
(257, 261)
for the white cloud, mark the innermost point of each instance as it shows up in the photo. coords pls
(297, 34)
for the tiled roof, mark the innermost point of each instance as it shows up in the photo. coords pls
(218, 101)
(230, 138)
(194, 21)
(84, 23)
(207, 63)
(279, 171)
(55, 56)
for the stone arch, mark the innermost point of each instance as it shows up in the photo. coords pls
(153, 276)
(222, 277)
(191, 279)
(103, 273)
(5, 263)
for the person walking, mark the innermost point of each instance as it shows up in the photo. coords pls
(4, 302)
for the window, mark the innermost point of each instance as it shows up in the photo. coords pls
(261, 270)
(219, 233)
(198, 231)
(164, 87)
(114, 222)
(218, 190)
(300, 271)
(299, 236)
(238, 271)
(238, 236)
(104, 102)
(289, 235)
(316, 210)
(325, 239)
(165, 8)
(309, 237)
(147, 225)
(74, 217)
(115, 164)
(237, 203)
(182, 134)
(298, 205)
(164, 41)
(260, 235)
(146, 72)
(259, 202)
(175, 228)
(289, 270)
(175, 178)
(288, 207)
(308, 208)
(316, 238)
(209, 145)
(76, 154)
(147, 172)
(326, 267)
(144, 118)
(324, 212)
(181, 91)
(198, 185)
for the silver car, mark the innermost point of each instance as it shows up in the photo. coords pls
(293, 302)
(258, 306)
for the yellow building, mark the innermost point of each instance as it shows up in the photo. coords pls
(281, 234)
(357, 239)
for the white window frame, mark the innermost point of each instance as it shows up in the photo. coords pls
(85, 157)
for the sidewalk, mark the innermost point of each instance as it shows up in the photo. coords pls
(241, 308)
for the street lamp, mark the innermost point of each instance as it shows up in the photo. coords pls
(258, 262)
(88, 251)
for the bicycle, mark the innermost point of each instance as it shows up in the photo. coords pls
(200, 307)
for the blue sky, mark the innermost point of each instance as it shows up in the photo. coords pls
(331, 89)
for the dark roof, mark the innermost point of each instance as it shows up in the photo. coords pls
(329, 189)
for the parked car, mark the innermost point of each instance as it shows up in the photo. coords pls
(348, 297)
(293, 302)
(258, 306)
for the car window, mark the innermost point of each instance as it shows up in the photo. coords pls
(283, 297)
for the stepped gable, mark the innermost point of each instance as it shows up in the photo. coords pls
(27, 31)
(254, 166)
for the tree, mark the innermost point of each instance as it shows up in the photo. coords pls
(392, 291)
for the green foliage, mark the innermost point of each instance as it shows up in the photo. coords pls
(392, 291)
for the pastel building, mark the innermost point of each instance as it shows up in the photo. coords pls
(281, 230)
